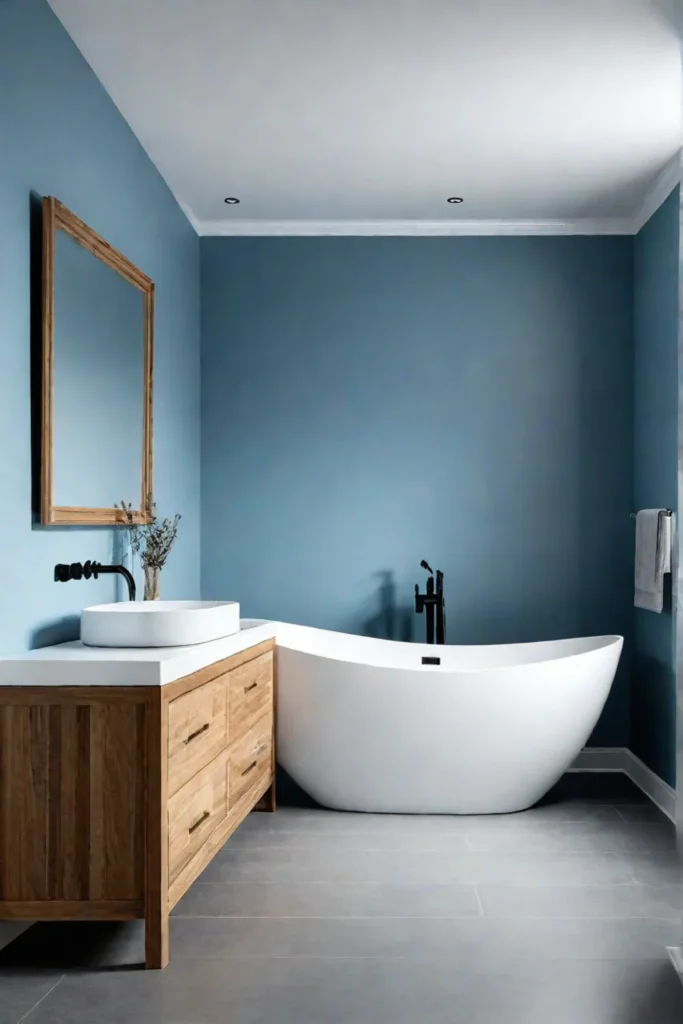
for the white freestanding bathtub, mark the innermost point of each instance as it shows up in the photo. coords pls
(363, 725)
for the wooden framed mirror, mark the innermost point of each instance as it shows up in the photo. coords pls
(97, 374)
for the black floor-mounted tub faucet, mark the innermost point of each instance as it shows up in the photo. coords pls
(432, 603)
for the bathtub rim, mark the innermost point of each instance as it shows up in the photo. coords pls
(285, 636)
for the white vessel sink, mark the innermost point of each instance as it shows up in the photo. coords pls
(158, 623)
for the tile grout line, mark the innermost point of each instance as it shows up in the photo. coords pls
(421, 917)
(631, 881)
(42, 999)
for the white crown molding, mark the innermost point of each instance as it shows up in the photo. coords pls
(196, 224)
(659, 191)
(444, 228)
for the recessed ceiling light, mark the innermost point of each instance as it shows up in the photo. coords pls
(232, 201)
(455, 199)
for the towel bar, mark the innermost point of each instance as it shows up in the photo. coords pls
(666, 511)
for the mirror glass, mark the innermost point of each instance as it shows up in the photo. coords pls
(98, 381)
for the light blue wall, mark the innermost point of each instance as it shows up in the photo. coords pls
(98, 380)
(653, 716)
(368, 402)
(60, 134)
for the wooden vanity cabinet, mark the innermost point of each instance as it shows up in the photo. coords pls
(114, 799)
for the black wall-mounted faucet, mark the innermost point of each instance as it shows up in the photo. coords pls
(78, 570)
(432, 603)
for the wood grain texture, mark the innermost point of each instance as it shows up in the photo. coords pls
(250, 758)
(75, 515)
(197, 731)
(72, 801)
(71, 910)
(156, 874)
(57, 217)
(80, 696)
(24, 802)
(195, 811)
(219, 668)
(268, 803)
(250, 687)
(47, 369)
(215, 841)
(71, 786)
(271, 795)
(117, 801)
(85, 801)
(147, 485)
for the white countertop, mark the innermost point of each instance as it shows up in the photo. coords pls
(74, 664)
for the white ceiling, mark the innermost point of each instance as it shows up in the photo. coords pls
(561, 113)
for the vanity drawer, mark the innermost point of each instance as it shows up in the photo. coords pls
(251, 692)
(250, 758)
(197, 731)
(195, 811)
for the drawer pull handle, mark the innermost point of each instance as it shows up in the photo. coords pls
(202, 818)
(197, 732)
(250, 768)
(252, 687)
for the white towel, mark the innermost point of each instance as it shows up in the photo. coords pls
(653, 557)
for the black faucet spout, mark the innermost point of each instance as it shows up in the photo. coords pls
(80, 570)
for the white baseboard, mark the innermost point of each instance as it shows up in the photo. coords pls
(621, 759)
(676, 957)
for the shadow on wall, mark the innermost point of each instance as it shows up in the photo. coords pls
(68, 627)
(390, 621)
(59, 631)
(653, 711)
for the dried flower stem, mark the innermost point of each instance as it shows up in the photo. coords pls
(151, 541)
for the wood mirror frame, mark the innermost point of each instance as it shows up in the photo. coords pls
(56, 217)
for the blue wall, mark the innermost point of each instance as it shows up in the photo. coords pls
(98, 349)
(368, 402)
(60, 134)
(653, 687)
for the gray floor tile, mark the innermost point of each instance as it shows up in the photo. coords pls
(315, 917)
(574, 837)
(601, 901)
(601, 992)
(362, 991)
(642, 812)
(656, 866)
(324, 899)
(473, 941)
(365, 839)
(264, 864)
(21, 989)
(289, 819)
(660, 870)
(293, 819)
